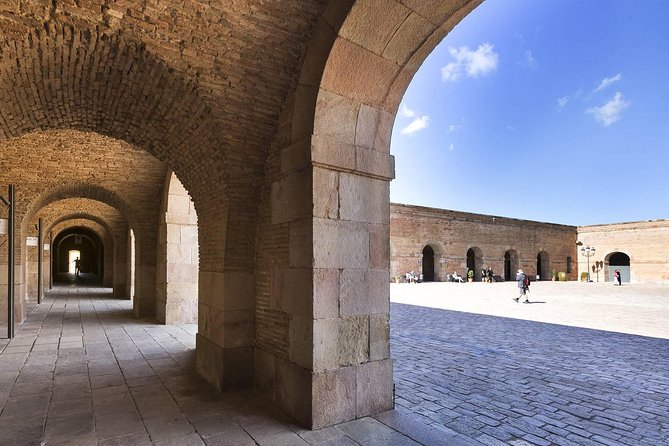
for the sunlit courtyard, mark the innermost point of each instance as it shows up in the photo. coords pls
(584, 363)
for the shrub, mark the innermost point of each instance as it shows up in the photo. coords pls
(562, 276)
(584, 276)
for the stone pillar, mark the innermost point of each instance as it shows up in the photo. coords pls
(121, 264)
(335, 289)
(108, 265)
(177, 265)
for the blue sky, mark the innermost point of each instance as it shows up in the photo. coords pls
(550, 110)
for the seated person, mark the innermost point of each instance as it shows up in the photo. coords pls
(457, 278)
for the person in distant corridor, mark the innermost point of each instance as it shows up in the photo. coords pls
(490, 275)
(77, 264)
(523, 286)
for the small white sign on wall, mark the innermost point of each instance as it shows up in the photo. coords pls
(46, 246)
(31, 241)
(3, 226)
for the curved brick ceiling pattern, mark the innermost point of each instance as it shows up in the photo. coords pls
(78, 218)
(201, 86)
(96, 228)
(68, 210)
(47, 166)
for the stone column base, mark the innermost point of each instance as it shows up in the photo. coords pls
(225, 368)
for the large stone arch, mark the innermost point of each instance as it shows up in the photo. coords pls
(328, 191)
(71, 72)
(145, 281)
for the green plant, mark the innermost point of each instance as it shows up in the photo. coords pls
(553, 274)
(397, 279)
(584, 276)
(562, 276)
(470, 274)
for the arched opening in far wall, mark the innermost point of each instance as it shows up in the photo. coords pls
(618, 261)
(543, 266)
(77, 255)
(428, 264)
(475, 261)
(510, 264)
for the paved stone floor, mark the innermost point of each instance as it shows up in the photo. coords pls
(479, 370)
(508, 380)
(82, 371)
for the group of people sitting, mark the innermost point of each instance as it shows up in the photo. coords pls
(486, 276)
(412, 277)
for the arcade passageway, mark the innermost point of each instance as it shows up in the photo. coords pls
(232, 163)
(83, 370)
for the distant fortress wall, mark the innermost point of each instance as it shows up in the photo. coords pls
(439, 242)
(645, 243)
(503, 244)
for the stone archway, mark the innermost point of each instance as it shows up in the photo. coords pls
(360, 62)
(475, 262)
(543, 266)
(510, 264)
(112, 83)
(428, 264)
(91, 254)
(618, 261)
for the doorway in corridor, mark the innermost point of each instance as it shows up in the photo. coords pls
(474, 262)
(77, 247)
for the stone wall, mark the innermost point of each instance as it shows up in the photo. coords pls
(177, 265)
(645, 242)
(451, 234)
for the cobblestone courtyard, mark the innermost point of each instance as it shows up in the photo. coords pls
(500, 379)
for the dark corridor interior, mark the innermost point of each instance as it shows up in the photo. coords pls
(77, 247)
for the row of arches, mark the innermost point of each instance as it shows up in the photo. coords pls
(475, 262)
(90, 240)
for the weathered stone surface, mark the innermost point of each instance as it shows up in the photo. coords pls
(374, 387)
(334, 395)
(340, 342)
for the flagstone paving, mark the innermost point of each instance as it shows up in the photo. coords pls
(82, 371)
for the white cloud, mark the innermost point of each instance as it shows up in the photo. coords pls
(407, 112)
(470, 63)
(610, 112)
(607, 81)
(416, 125)
(529, 61)
(451, 147)
(453, 128)
(511, 127)
(562, 102)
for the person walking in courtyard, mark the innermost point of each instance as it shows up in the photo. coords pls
(523, 286)
(490, 275)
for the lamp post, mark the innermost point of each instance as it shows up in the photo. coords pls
(588, 251)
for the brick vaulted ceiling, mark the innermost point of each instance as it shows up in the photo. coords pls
(64, 172)
(199, 85)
